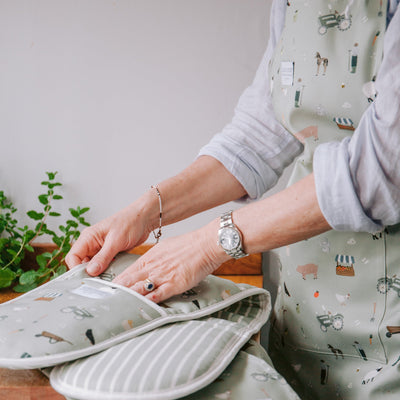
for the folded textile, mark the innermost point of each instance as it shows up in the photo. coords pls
(75, 315)
(250, 376)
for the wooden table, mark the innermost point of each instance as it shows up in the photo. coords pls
(33, 385)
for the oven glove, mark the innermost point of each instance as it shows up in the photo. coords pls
(74, 315)
(169, 362)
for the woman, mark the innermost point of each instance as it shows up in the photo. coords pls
(329, 325)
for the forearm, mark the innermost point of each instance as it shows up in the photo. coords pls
(284, 218)
(205, 184)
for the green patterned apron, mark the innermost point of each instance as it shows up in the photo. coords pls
(337, 315)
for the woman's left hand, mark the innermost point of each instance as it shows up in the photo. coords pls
(176, 264)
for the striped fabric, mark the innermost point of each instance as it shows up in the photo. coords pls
(250, 376)
(166, 363)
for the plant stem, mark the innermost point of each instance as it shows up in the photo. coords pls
(46, 213)
(16, 256)
(54, 257)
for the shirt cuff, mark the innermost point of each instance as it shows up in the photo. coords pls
(256, 176)
(336, 192)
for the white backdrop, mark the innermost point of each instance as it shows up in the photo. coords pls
(117, 95)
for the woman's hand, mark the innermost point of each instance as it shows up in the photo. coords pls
(175, 265)
(124, 230)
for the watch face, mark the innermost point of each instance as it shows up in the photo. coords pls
(229, 239)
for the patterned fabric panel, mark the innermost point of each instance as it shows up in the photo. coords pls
(75, 315)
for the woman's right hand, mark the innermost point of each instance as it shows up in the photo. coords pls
(100, 243)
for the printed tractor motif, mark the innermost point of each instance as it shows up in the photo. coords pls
(333, 20)
(326, 320)
(385, 284)
(77, 312)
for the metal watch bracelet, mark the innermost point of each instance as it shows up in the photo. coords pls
(226, 221)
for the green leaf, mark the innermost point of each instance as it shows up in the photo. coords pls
(43, 198)
(12, 252)
(24, 288)
(74, 213)
(66, 248)
(84, 210)
(29, 248)
(53, 185)
(62, 269)
(42, 259)
(57, 240)
(28, 277)
(49, 232)
(35, 215)
(54, 262)
(43, 279)
(54, 214)
(57, 197)
(72, 223)
(51, 175)
(6, 277)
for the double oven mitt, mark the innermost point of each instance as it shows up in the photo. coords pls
(75, 316)
(249, 376)
(170, 362)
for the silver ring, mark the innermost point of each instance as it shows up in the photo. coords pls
(149, 285)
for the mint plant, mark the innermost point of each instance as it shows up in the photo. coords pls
(15, 241)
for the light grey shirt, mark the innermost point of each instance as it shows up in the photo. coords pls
(357, 179)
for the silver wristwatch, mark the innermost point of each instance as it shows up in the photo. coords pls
(229, 237)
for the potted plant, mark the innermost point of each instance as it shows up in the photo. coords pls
(17, 244)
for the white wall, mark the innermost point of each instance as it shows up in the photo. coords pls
(117, 95)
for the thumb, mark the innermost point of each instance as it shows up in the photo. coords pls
(100, 262)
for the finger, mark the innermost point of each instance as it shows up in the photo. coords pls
(133, 274)
(100, 262)
(79, 251)
(72, 260)
(145, 285)
(162, 292)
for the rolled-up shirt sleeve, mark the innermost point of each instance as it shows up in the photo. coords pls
(358, 179)
(254, 146)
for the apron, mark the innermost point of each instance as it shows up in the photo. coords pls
(337, 314)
